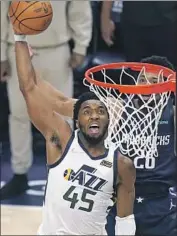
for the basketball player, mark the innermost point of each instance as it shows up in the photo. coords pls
(156, 196)
(82, 172)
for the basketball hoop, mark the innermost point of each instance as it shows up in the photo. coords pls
(134, 110)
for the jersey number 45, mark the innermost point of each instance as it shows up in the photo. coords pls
(72, 197)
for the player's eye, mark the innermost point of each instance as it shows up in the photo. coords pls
(86, 112)
(101, 111)
(154, 81)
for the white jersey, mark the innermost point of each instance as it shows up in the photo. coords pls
(78, 192)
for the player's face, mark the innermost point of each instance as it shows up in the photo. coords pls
(93, 121)
(149, 78)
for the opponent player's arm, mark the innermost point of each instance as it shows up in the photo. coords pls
(125, 223)
(40, 107)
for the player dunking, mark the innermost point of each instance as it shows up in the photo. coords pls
(82, 172)
(155, 175)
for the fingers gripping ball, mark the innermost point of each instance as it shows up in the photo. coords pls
(30, 17)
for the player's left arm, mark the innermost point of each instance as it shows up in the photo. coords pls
(125, 222)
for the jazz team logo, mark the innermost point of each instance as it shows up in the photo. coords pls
(69, 174)
(85, 176)
(82, 199)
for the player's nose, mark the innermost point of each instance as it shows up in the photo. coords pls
(95, 115)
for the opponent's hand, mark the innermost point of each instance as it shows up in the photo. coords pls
(107, 31)
(76, 60)
(5, 71)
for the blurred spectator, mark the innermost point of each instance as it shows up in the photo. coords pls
(116, 11)
(149, 28)
(52, 58)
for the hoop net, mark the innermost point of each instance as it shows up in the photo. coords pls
(134, 110)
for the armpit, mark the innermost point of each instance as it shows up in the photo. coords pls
(56, 141)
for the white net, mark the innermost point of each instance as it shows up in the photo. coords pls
(133, 118)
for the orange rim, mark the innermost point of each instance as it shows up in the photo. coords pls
(169, 85)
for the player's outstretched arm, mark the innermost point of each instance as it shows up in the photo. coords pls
(125, 223)
(40, 107)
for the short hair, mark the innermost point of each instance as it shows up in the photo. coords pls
(82, 98)
(158, 60)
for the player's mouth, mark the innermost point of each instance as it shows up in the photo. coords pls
(94, 129)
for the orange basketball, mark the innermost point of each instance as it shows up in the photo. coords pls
(30, 17)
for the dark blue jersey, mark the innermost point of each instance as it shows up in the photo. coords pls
(163, 168)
